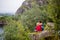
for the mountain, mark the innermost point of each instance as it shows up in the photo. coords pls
(28, 4)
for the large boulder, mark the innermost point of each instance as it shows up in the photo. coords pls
(39, 35)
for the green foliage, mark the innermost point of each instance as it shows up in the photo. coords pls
(31, 17)
(18, 27)
(53, 9)
(14, 30)
(35, 13)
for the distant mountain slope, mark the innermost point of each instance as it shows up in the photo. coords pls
(28, 4)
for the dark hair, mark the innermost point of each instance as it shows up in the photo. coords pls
(40, 21)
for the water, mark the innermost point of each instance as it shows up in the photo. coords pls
(1, 33)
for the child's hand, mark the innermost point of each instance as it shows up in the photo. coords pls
(35, 30)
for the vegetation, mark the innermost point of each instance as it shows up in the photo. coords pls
(14, 30)
(18, 27)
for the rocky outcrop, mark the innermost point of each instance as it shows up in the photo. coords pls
(25, 6)
(28, 4)
(39, 35)
(20, 10)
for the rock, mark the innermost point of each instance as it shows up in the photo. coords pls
(20, 10)
(28, 4)
(39, 35)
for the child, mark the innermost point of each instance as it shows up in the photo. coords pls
(38, 26)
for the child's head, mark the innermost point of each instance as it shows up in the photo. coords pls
(39, 21)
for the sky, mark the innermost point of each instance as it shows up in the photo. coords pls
(10, 6)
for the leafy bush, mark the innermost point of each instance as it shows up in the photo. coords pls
(14, 30)
(31, 17)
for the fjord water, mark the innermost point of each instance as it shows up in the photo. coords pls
(1, 33)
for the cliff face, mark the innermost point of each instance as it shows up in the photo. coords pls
(38, 36)
(28, 4)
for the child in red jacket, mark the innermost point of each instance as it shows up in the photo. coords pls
(38, 26)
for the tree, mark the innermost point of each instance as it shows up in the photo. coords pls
(53, 9)
(30, 17)
(14, 30)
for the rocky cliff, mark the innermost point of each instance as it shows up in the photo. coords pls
(40, 35)
(28, 4)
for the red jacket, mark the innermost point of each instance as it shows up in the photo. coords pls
(38, 28)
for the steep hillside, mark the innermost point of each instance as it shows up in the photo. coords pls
(28, 4)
